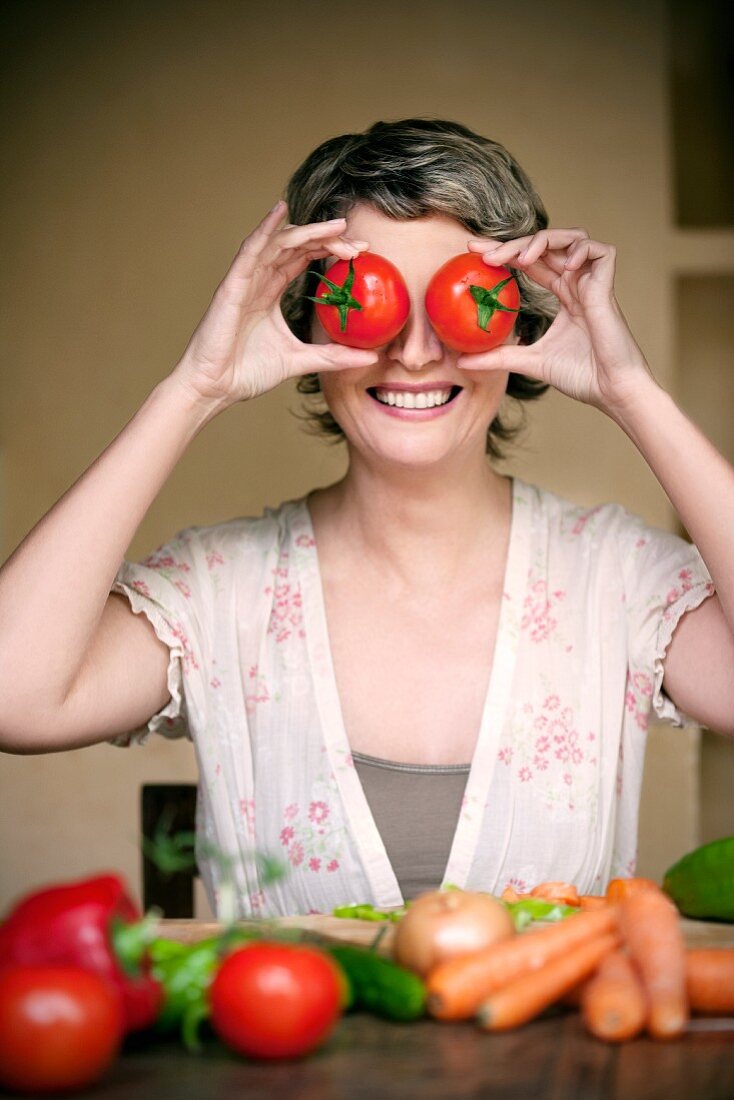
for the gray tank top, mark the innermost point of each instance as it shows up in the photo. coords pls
(416, 809)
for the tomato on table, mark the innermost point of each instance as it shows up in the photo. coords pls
(472, 305)
(61, 1027)
(362, 302)
(275, 1000)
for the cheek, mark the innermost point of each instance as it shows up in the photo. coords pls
(333, 387)
(488, 385)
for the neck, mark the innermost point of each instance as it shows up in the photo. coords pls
(417, 526)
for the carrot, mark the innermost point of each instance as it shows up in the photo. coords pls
(619, 889)
(457, 987)
(510, 894)
(561, 892)
(592, 901)
(613, 1002)
(652, 932)
(710, 980)
(526, 997)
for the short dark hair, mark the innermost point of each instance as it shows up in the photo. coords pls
(412, 168)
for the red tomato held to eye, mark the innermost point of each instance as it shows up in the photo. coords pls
(362, 302)
(61, 1027)
(471, 305)
(275, 1000)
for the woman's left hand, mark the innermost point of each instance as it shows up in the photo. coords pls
(588, 352)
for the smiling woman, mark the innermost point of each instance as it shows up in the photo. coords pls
(422, 619)
(414, 169)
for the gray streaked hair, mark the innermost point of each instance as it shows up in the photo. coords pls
(413, 168)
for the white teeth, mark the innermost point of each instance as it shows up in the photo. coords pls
(406, 400)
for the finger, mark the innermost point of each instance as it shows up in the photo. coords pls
(545, 272)
(255, 242)
(292, 264)
(325, 243)
(342, 248)
(332, 357)
(261, 233)
(550, 240)
(587, 250)
(575, 232)
(531, 247)
(520, 358)
(296, 236)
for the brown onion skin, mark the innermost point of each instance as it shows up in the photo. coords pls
(444, 924)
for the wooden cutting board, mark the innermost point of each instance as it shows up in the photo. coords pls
(698, 933)
(339, 928)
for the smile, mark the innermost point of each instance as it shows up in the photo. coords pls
(412, 400)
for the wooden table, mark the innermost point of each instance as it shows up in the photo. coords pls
(550, 1059)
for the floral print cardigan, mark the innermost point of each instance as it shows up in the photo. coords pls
(591, 599)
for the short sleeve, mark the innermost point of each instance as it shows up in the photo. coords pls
(665, 576)
(166, 588)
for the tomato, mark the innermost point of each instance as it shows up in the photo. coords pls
(61, 1027)
(275, 1000)
(362, 302)
(471, 305)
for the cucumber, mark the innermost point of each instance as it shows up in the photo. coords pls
(380, 986)
(702, 883)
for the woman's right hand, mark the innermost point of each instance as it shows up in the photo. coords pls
(242, 347)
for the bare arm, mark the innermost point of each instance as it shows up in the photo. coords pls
(699, 664)
(590, 354)
(76, 665)
(60, 690)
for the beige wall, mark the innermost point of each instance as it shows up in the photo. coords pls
(144, 141)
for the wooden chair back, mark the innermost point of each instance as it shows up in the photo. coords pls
(175, 803)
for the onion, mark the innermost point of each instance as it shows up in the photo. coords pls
(444, 924)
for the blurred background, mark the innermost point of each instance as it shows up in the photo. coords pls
(143, 141)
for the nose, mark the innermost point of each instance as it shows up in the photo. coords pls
(417, 344)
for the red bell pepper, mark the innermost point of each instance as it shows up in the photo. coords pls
(89, 923)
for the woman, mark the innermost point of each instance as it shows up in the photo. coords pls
(505, 645)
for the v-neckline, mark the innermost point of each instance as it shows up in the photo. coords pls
(366, 836)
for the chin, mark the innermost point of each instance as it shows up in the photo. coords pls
(408, 454)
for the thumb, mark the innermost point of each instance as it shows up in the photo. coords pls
(334, 357)
(518, 358)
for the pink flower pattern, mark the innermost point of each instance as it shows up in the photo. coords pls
(189, 662)
(582, 520)
(286, 615)
(540, 610)
(548, 749)
(313, 838)
(247, 809)
(547, 756)
(638, 697)
(318, 812)
(295, 853)
(258, 690)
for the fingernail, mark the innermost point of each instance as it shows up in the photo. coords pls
(523, 254)
(274, 208)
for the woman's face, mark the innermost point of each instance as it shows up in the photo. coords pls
(415, 360)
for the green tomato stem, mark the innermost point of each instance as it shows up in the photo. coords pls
(341, 297)
(488, 302)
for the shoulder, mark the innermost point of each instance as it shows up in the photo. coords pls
(573, 523)
(612, 540)
(235, 538)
